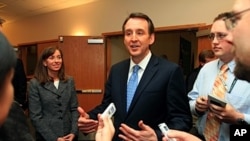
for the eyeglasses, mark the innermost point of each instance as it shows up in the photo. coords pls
(219, 36)
(232, 19)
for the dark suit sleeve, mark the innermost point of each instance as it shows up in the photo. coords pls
(20, 84)
(179, 117)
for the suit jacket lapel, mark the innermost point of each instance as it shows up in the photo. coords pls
(62, 86)
(50, 86)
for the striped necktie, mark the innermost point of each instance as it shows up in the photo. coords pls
(212, 127)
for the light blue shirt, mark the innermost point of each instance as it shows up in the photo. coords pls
(239, 97)
(143, 64)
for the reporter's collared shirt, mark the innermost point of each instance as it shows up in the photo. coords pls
(239, 96)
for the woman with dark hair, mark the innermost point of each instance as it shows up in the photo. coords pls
(13, 123)
(52, 99)
(7, 65)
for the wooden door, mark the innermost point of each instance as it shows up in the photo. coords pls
(86, 63)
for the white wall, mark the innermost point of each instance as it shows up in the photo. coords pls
(108, 15)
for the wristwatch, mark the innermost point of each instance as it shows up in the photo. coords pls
(241, 121)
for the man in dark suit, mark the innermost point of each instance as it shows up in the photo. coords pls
(160, 94)
(20, 85)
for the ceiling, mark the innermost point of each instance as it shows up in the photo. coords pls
(12, 10)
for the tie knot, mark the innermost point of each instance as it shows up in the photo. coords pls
(224, 68)
(136, 68)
